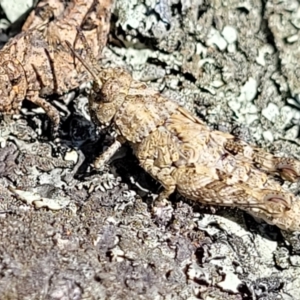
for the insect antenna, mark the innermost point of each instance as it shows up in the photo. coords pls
(85, 64)
(88, 49)
(93, 66)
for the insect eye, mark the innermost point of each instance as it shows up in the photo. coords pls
(104, 75)
(97, 98)
(15, 81)
(109, 89)
(96, 88)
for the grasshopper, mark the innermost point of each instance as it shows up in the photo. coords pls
(181, 152)
(35, 64)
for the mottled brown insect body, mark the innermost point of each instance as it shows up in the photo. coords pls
(183, 154)
(35, 64)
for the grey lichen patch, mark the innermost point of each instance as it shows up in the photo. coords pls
(16, 127)
(34, 198)
(283, 21)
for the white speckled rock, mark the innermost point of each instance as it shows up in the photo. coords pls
(215, 38)
(270, 112)
(71, 156)
(268, 136)
(14, 9)
(262, 52)
(249, 90)
(230, 34)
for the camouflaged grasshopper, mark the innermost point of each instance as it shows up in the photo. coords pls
(35, 64)
(183, 154)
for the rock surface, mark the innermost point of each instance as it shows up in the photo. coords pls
(72, 233)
